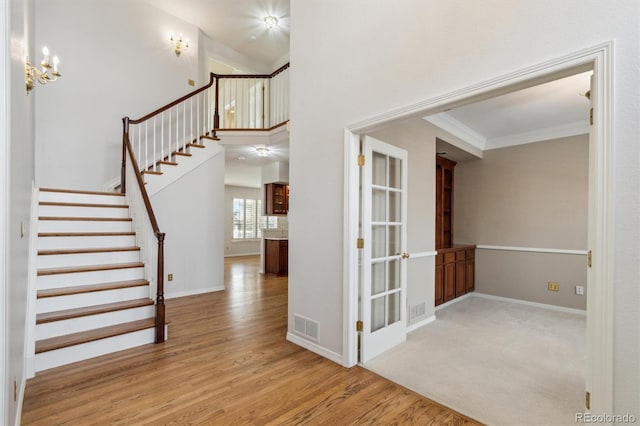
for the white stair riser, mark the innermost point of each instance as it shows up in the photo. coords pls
(76, 211)
(60, 303)
(83, 226)
(83, 259)
(62, 243)
(50, 359)
(64, 197)
(75, 325)
(85, 278)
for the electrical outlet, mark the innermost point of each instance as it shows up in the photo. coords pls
(553, 286)
(579, 290)
(170, 277)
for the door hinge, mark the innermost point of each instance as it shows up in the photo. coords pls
(360, 243)
(591, 116)
(360, 160)
(589, 257)
(587, 400)
(359, 326)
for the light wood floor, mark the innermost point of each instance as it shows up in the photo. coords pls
(226, 362)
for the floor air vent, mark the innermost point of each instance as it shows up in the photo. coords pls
(416, 311)
(306, 327)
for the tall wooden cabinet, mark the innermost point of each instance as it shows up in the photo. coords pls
(455, 264)
(276, 196)
(444, 202)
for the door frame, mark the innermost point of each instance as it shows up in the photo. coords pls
(599, 59)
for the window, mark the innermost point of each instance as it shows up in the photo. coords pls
(248, 220)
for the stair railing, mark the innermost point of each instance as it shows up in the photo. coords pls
(248, 102)
(251, 101)
(146, 230)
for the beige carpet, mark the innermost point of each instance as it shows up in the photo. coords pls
(499, 362)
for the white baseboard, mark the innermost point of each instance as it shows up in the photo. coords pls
(534, 304)
(419, 324)
(21, 390)
(452, 301)
(243, 254)
(315, 348)
(193, 292)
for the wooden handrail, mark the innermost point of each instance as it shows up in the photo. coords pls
(273, 74)
(159, 306)
(176, 102)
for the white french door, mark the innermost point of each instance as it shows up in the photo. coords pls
(383, 270)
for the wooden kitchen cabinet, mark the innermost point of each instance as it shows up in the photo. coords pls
(276, 257)
(276, 196)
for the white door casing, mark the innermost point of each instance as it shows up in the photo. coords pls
(384, 219)
(599, 58)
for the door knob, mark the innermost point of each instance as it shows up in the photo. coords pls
(405, 255)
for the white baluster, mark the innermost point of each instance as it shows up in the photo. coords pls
(162, 136)
(154, 164)
(198, 129)
(191, 119)
(184, 126)
(146, 146)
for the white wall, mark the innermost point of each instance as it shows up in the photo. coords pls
(116, 60)
(238, 247)
(21, 172)
(417, 50)
(191, 213)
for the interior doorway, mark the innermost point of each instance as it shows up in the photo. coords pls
(599, 308)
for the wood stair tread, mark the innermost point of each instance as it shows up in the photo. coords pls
(88, 219)
(195, 145)
(213, 138)
(88, 268)
(67, 291)
(92, 335)
(151, 172)
(61, 204)
(91, 310)
(184, 154)
(76, 191)
(86, 234)
(168, 163)
(87, 250)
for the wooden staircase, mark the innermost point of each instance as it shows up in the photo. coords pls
(92, 295)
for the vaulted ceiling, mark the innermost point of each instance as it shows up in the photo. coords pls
(543, 112)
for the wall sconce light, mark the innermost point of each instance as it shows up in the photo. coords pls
(271, 22)
(178, 43)
(33, 74)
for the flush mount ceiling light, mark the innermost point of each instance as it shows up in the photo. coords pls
(271, 22)
(262, 151)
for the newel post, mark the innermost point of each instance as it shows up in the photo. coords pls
(123, 170)
(160, 308)
(216, 116)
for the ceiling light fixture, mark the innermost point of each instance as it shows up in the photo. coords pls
(262, 151)
(272, 22)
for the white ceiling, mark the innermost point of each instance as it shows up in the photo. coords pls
(238, 24)
(548, 111)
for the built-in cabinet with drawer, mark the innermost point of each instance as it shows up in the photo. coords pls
(455, 265)
(276, 256)
(276, 196)
(455, 272)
